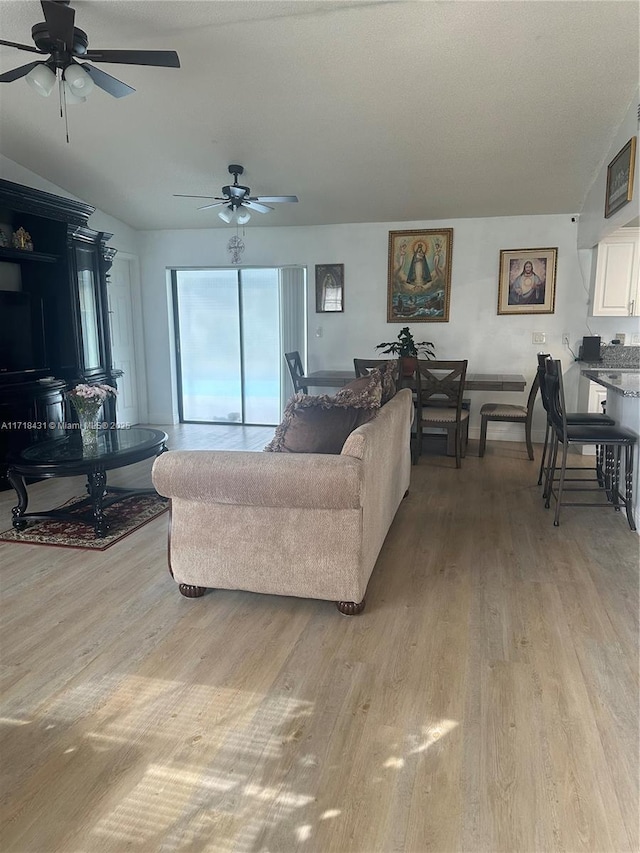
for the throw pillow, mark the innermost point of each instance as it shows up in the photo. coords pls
(388, 375)
(322, 424)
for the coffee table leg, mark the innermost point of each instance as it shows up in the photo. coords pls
(97, 488)
(17, 481)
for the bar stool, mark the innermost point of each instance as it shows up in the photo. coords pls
(573, 419)
(614, 438)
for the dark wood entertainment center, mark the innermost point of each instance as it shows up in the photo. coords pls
(60, 297)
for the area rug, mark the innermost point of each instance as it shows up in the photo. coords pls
(124, 517)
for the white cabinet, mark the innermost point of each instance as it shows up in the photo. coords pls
(617, 286)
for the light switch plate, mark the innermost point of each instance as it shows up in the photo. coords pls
(538, 338)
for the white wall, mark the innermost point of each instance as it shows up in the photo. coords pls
(593, 226)
(492, 343)
(124, 238)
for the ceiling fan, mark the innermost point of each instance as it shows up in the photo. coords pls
(236, 199)
(65, 43)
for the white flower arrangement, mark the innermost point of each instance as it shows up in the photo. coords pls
(87, 399)
(98, 393)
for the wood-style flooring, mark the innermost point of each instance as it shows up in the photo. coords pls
(486, 700)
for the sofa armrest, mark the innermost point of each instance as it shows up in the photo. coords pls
(301, 480)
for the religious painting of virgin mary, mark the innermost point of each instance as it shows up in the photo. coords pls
(419, 283)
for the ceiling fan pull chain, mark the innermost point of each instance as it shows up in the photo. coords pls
(63, 103)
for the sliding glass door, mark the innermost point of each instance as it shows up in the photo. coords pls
(229, 344)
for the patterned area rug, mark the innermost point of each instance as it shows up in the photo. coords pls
(124, 517)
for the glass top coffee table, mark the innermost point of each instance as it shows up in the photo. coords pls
(67, 457)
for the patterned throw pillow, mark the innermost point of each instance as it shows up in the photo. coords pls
(389, 375)
(322, 424)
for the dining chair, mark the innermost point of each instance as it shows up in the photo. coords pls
(294, 363)
(440, 385)
(510, 413)
(573, 419)
(613, 438)
(363, 365)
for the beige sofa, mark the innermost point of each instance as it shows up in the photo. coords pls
(308, 525)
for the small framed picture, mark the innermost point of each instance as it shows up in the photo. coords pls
(419, 277)
(620, 179)
(329, 288)
(527, 283)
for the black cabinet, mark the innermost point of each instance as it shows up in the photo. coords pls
(54, 318)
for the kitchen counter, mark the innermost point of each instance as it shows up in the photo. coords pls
(625, 382)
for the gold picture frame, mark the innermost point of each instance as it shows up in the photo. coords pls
(419, 276)
(329, 288)
(527, 281)
(620, 173)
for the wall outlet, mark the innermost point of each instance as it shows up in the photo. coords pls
(538, 338)
(565, 339)
(635, 340)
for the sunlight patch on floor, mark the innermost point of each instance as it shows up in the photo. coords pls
(431, 734)
(209, 790)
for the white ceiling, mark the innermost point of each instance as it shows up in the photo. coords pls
(368, 111)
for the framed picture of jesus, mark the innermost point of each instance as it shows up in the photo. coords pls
(527, 282)
(419, 278)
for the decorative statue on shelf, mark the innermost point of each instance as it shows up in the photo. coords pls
(22, 240)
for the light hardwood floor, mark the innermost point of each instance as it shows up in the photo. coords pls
(486, 700)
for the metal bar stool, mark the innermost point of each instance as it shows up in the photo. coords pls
(573, 419)
(614, 438)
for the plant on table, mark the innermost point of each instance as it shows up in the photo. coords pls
(407, 349)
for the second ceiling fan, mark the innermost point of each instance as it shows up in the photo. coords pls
(236, 200)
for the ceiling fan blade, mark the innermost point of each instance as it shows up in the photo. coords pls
(161, 58)
(259, 208)
(215, 204)
(182, 195)
(274, 198)
(22, 46)
(17, 73)
(60, 20)
(106, 82)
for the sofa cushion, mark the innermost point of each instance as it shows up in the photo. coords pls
(322, 424)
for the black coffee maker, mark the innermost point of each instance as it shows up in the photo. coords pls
(590, 349)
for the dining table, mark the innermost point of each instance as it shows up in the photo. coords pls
(473, 381)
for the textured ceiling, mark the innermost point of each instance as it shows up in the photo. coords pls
(368, 111)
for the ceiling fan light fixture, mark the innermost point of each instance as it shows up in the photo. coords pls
(242, 216)
(70, 97)
(78, 81)
(41, 79)
(226, 214)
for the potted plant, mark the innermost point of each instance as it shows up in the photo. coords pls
(407, 350)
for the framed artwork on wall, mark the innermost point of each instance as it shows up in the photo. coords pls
(527, 283)
(620, 179)
(329, 288)
(419, 278)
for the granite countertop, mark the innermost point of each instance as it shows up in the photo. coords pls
(625, 382)
(616, 357)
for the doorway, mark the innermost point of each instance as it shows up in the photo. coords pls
(230, 325)
(126, 337)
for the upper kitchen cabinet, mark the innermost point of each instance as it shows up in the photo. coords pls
(617, 285)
